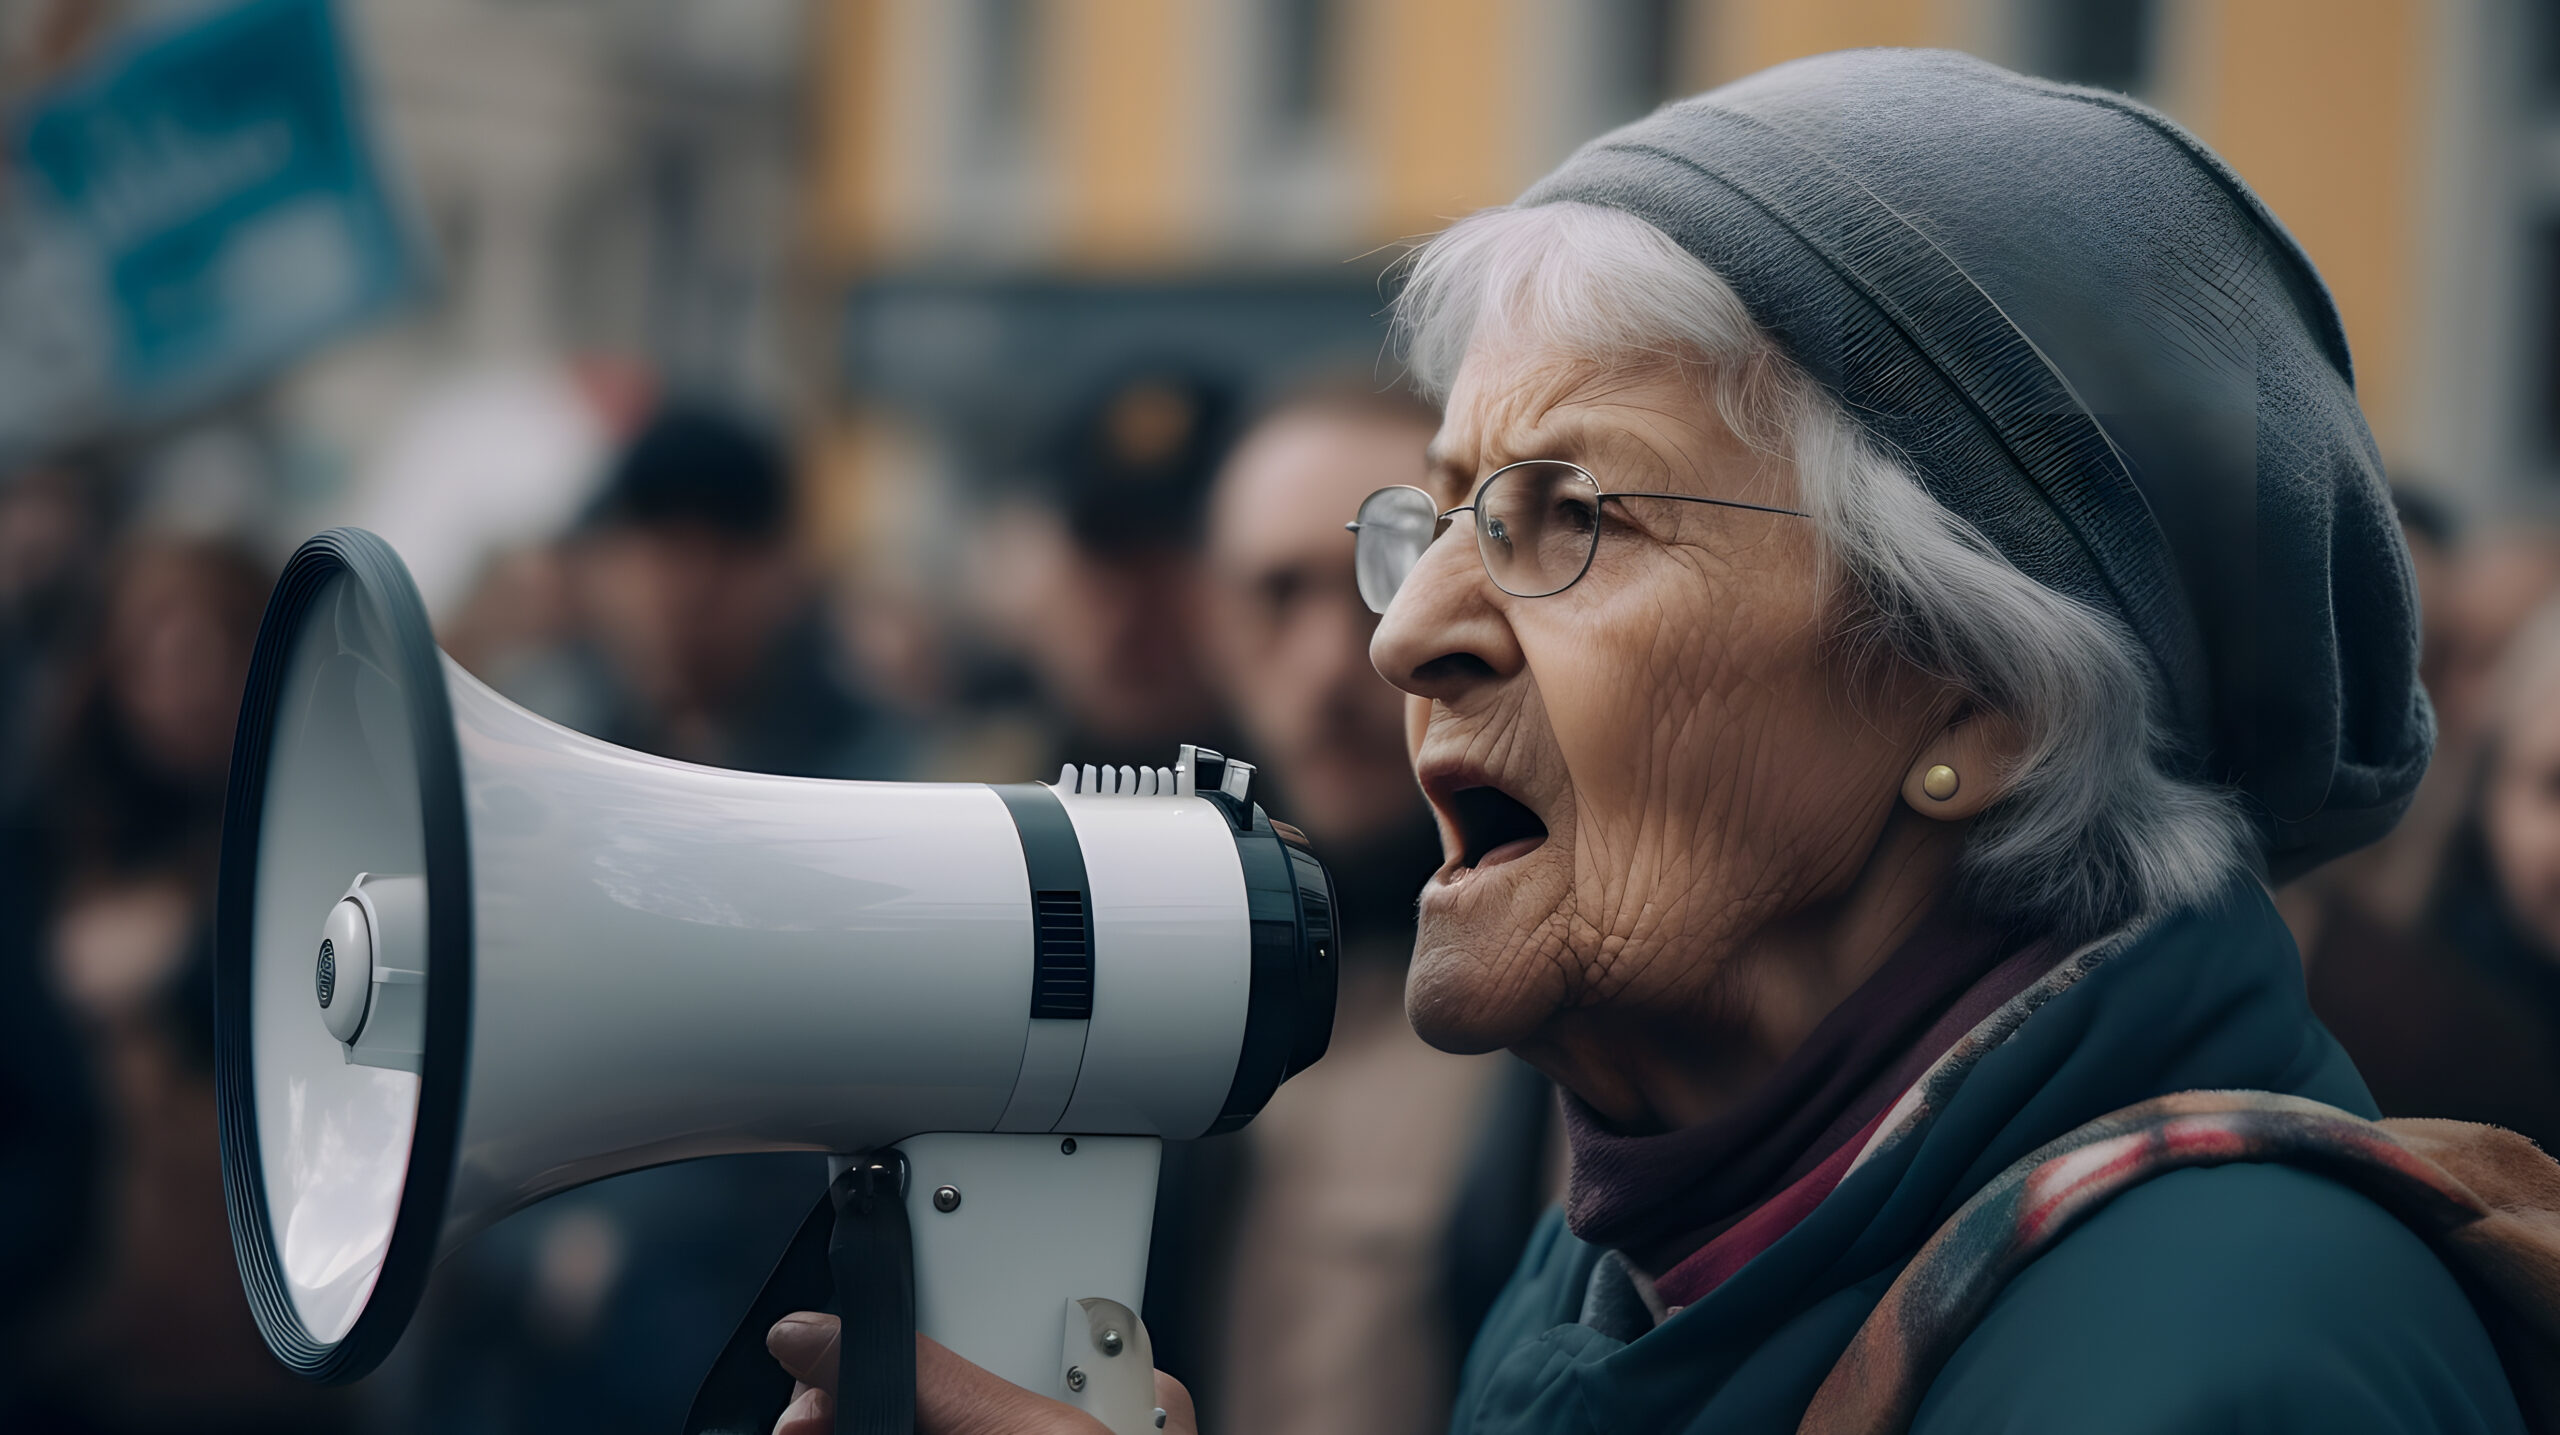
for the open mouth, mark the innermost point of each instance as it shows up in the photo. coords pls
(1493, 826)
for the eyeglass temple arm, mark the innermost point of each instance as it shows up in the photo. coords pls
(1442, 519)
(1718, 502)
(1354, 525)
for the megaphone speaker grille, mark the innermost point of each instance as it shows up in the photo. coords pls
(336, 1166)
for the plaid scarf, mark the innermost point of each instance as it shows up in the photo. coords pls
(2486, 1200)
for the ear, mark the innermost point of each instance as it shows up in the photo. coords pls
(1981, 749)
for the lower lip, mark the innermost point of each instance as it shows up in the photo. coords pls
(1508, 852)
(1516, 847)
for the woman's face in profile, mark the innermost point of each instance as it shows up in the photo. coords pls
(2521, 814)
(1635, 774)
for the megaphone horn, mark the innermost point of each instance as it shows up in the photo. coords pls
(466, 957)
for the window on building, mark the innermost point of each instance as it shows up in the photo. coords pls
(2542, 38)
(2091, 42)
(2542, 407)
(1002, 73)
(1636, 55)
(1302, 48)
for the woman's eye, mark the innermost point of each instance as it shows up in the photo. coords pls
(1498, 531)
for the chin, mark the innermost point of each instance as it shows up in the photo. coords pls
(1489, 956)
(1466, 995)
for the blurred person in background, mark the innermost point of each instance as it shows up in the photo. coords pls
(1095, 587)
(49, 531)
(678, 618)
(711, 633)
(2461, 1016)
(2420, 956)
(2495, 584)
(121, 850)
(1303, 1264)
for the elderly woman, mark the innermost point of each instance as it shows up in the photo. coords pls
(1902, 570)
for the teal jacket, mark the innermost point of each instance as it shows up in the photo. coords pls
(2238, 1297)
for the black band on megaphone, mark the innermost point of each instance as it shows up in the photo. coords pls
(1061, 902)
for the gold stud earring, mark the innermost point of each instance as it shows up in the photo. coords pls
(1939, 782)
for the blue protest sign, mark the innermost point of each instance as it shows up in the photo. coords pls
(190, 210)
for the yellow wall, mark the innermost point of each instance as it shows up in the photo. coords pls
(1433, 111)
(1748, 35)
(1125, 73)
(845, 195)
(2320, 106)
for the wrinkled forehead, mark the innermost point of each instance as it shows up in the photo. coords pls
(1637, 420)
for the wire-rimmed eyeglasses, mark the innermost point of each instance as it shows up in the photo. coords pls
(1537, 527)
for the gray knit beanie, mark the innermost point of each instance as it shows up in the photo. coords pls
(2090, 340)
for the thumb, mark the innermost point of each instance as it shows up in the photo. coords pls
(804, 1342)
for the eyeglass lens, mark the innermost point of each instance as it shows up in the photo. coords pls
(1396, 524)
(1536, 526)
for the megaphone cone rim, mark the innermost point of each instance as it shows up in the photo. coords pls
(372, 564)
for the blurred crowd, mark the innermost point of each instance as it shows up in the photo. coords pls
(2434, 955)
(1168, 565)
(1179, 573)
(1176, 572)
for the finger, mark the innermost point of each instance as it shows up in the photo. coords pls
(805, 1343)
(954, 1397)
(1175, 1402)
(811, 1412)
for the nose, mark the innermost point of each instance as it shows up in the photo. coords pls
(1447, 633)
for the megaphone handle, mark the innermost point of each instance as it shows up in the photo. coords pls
(1016, 1246)
(873, 1257)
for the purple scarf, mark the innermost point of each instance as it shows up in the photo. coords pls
(1660, 1197)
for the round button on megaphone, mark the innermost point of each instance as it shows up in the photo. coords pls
(466, 958)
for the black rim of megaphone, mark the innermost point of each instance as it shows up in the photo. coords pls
(373, 566)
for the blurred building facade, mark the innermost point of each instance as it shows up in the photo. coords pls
(2412, 145)
(742, 195)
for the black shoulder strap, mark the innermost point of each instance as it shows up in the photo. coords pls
(874, 1259)
(854, 1240)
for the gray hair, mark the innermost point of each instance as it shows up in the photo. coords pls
(2096, 830)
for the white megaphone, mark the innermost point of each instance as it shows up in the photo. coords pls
(467, 958)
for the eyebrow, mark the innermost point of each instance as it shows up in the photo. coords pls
(1608, 450)
(1569, 440)
(1440, 471)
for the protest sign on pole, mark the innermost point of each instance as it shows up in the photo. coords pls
(190, 209)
